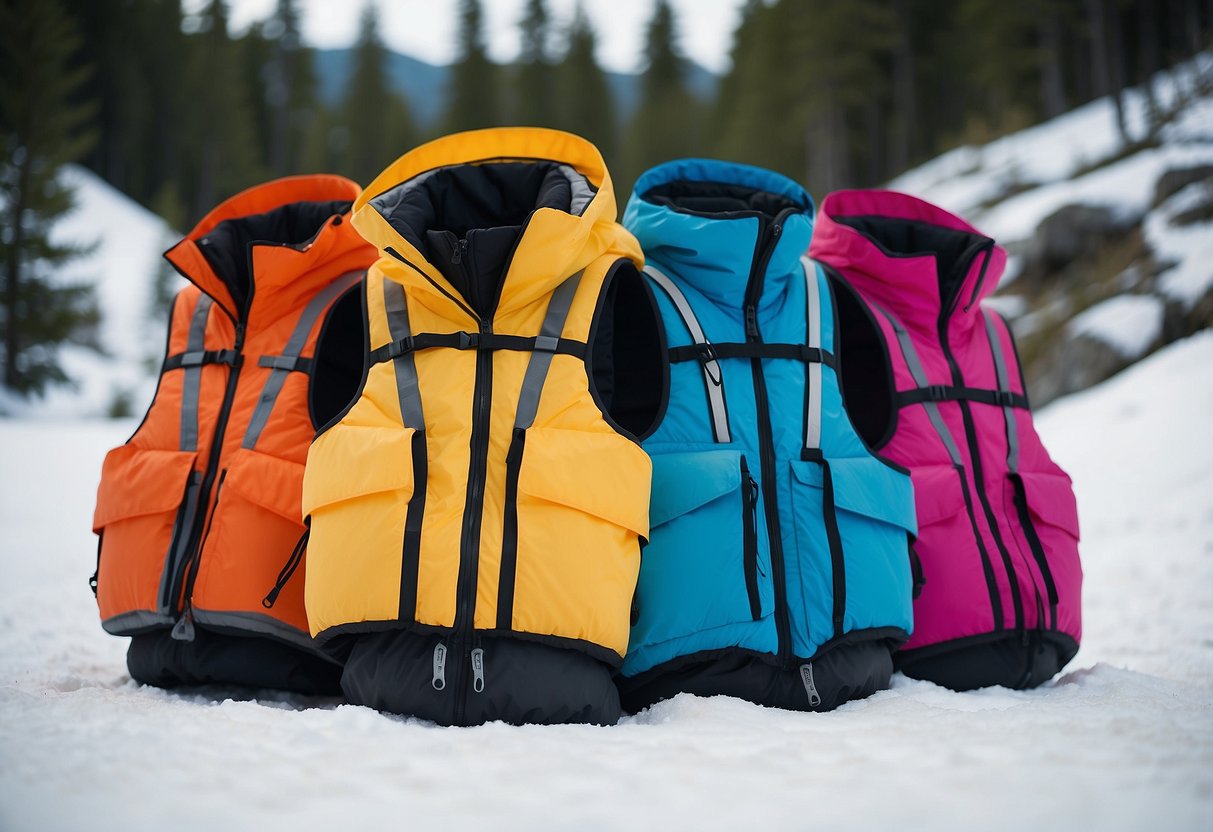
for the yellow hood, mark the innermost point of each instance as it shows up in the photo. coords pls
(554, 243)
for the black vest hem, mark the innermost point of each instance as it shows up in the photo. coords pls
(524, 682)
(224, 659)
(1008, 658)
(854, 666)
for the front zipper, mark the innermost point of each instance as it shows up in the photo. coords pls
(768, 238)
(749, 525)
(1038, 550)
(473, 508)
(975, 452)
(190, 566)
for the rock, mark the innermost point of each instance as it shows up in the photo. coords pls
(1177, 179)
(1070, 233)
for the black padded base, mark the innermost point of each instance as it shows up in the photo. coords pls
(221, 659)
(842, 672)
(1008, 659)
(524, 682)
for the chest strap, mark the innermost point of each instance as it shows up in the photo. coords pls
(197, 359)
(948, 393)
(711, 352)
(476, 341)
(290, 361)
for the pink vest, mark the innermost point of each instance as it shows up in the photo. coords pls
(934, 384)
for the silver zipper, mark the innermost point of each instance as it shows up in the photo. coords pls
(439, 680)
(478, 670)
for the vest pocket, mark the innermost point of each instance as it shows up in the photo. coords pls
(357, 490)
(582, 507)
(257, 520)
(1047, 513)
(857, 516)
(145, 505)
(703, 567)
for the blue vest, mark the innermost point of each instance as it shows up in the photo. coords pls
(775, 532)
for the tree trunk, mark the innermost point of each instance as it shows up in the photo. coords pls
(1101, 67)
(905, 105)
(12, 283)
(1052, 82)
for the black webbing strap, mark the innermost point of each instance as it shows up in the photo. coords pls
(477, 341)
(199, 357)
(286, 363)
(712, 351)
(948, 393)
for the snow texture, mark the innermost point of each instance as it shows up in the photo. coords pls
(1130, 324)
(1007, 187)
(1122, 741)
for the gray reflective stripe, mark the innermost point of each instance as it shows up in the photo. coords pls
(1004, 386)
(920, 378)
(261, 624)
(711, 368)
(135, 622)
(283, 364)
(812, 422)
(397, 310)
(192, 383)
(541, 358)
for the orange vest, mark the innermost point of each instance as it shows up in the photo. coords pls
(200, 509)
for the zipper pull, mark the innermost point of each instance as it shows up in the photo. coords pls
(439, 680)
(752, 492)
(460, 250)
(810, 687)
(478, 670)
(288, 570)
(183, 630)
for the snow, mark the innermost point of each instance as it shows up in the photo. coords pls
(128, 242)
(1130, 324)
(1189, 246)
(1122, 740)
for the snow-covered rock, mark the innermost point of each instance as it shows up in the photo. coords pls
(1122, 741)
(1130, 324)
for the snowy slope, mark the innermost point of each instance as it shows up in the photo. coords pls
(1007, 187)
(128, 242)
(1123, 740)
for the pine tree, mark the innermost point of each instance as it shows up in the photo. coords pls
(586, 105)
(376, 119)
(536, 88)
(40, 131)
(666, 123)
(221, 147)
(473, 99)
(290, 88)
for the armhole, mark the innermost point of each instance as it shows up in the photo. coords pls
(168, 341)
(639, 359)
(864, 367)
(330, 379)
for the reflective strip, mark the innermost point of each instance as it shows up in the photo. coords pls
(396, 308)
(812, 422)
(192, 384)
(135, 622)
(253, 622)
(1004, 386)
(285, 363)
(545, 345)
(712, 377)
(920, 378)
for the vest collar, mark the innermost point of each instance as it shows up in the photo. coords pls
(915, 258)
(710, 223)
(272, 237)
(562, 204)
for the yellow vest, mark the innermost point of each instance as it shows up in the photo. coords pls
(475, 485)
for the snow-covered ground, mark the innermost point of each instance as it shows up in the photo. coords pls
(1122, 740)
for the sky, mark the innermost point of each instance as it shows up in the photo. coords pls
(425, 29)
